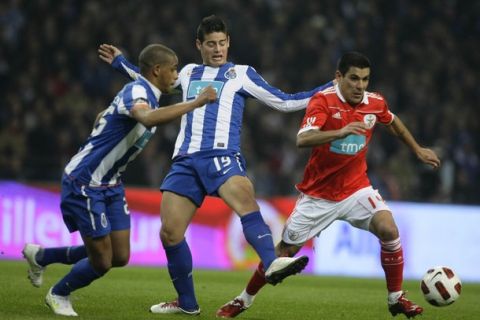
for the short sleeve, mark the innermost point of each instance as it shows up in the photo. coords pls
(385, 116)
(132, 95)
(316, 114)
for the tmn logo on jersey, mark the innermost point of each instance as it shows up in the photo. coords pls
(196, 86)
(350, 145)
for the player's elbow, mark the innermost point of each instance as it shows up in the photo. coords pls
(282, 106)
(301, 142)
(286, 107)
(144, 117)
(307, 139)
(146, 121)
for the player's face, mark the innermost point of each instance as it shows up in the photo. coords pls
(353, 84)
(214, 49)
(167, 74)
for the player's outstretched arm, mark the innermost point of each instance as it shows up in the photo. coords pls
(114, 57)
(148, 117)
(425, 155)
(275, 98)
(316, 137)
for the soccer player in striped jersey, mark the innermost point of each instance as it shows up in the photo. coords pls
(338, 126)
(93, 198)
(207, 158)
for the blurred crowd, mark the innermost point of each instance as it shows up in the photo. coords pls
(424, 58)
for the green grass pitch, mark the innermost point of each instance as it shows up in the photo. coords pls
(127, 293)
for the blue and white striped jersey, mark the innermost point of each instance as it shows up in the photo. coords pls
(116, 139)
(218, 125)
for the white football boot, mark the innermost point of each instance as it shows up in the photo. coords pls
(35, 271)
(60, 305)
(283, 267)
(171, 307)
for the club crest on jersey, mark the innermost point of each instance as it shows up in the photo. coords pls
(196, 86)
(230, 74)
(369, 120)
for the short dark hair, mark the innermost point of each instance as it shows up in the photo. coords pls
(154, 54)
(210, 24)
(352, 59)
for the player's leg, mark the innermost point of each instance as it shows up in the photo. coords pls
(366, 210)
(245, 299)
(224, 175)
(119, 217)
(81, 275)
(176, 213)
(239, 194)
(85, 271)
(38, 258)
(83, 209)
(182, 195)
(384, 227)
(65, 255)
(308, 219)
(257, 281)
(120, 247)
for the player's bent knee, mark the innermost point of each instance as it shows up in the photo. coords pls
(120, 261)
(170, 237)
(101, 265)
(388, 233)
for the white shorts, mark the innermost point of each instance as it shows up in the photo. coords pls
(311, 215)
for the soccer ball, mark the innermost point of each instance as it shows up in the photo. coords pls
(441, 286)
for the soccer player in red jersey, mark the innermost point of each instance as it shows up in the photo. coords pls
(338, 126)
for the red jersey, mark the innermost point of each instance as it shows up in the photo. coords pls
(338, 169)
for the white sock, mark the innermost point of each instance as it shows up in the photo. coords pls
(393, 296)
(247, 298)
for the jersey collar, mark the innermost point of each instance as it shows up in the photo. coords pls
(154, 89)
(340, 96)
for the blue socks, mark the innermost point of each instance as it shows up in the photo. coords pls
(180, 268)
(259, 236)
(65, 255)
(81, 275)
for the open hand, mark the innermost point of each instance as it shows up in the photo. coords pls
(107, 52)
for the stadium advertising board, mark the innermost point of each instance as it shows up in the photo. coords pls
(431, 234)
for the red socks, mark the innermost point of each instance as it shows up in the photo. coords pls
(257, 281)
(392, 262)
